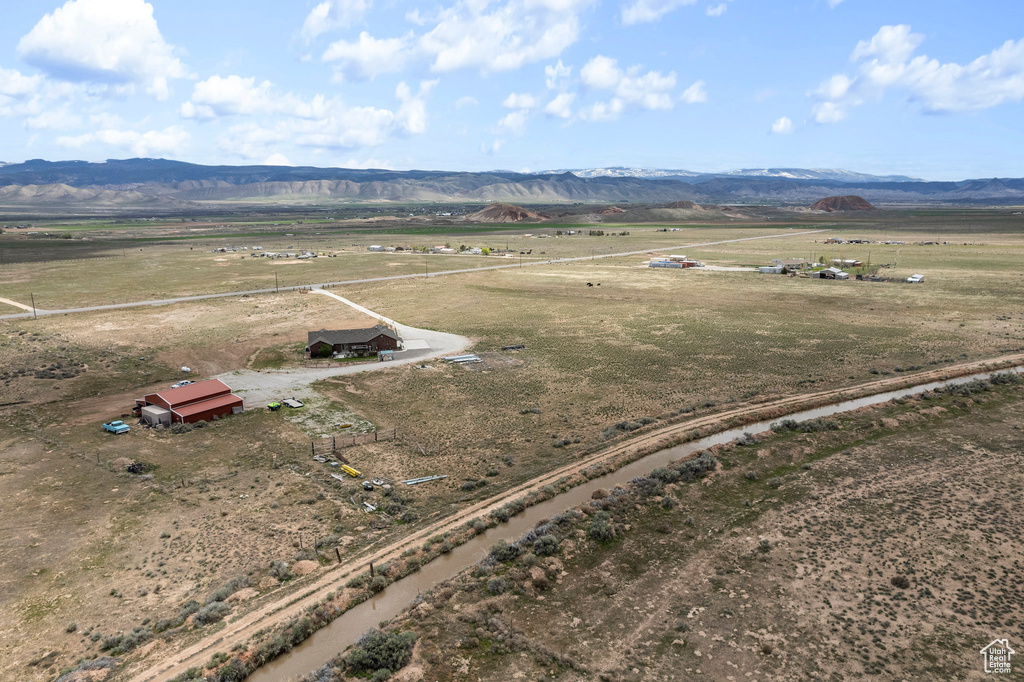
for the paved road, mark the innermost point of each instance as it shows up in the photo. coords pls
(251, 292)
(259, 388)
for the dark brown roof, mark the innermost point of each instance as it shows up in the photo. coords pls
(344, 336)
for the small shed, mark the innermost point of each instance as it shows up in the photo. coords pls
(154, 414)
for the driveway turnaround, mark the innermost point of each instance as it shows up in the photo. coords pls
(261, 387)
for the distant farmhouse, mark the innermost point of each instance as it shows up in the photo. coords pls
(352, 342)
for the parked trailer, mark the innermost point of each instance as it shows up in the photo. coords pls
(424, 479)
(462, 359)
(350, 471)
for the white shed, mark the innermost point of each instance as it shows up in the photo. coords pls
(154, 414)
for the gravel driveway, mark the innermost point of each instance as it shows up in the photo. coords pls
(259, 387)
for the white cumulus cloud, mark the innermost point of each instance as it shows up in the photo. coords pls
(630, 89)
(268, 119)
(561, 105)
(716, 10)
(783, 126)
(167, 142)
(887, 62)
(470, 34)
(369, 57)
(331, 15)
(110, 42)
(643, 11)
(557, 75)
(520, 101)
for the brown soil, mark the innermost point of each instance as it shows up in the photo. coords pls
(894, 558)
(504, 213)
(611, 210)
(846, 203)
(277, 612)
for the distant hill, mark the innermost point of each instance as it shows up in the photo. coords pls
(847, 203)
(166, 183)
(504, 213)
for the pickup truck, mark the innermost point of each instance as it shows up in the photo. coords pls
(117, 427)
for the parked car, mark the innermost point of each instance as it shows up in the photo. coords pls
(367, 485)
(182, 383)
(117, 427)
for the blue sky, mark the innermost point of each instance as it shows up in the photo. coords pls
(930, 89)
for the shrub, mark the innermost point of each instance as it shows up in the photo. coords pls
(669, 502)
(665, 475)
(601, 527)
(358, 581)
(468, 485)
(545, 545)
(229, 588)
(502, 551)
(211, 613)
(188, 608)
(696, 468)
(181, 428)
(201, 424)
(900, 581)
(378, 583)
(71, 627)
(764, 546)
(647, 487)
(751, 476)
(775, 482)
(280, 570)
(498, 585)
(376, 650)
(747, 439)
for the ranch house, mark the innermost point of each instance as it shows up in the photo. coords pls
(352, 342)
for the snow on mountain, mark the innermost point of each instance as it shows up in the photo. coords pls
(831, 174)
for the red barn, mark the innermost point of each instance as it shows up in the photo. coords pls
(201, 401)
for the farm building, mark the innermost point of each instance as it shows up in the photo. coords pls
(375, 248)
(201, 401)
(356, 342)
(673, 261)
(831, 273)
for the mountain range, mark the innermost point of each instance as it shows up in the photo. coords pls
(172, 185)
(831, 174)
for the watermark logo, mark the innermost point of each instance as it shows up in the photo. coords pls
(997, 656)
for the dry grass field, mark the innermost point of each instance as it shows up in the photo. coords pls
(882, 549)
(87, 543)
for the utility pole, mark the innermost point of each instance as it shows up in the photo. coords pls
(34, 316)
(277, 288)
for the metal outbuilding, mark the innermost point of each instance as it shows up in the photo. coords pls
(201, 401)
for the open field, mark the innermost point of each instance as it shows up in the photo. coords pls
(243, 492)
(879, 549)
(165, 271)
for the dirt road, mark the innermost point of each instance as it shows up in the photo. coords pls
(238, 631)
(183, 299)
